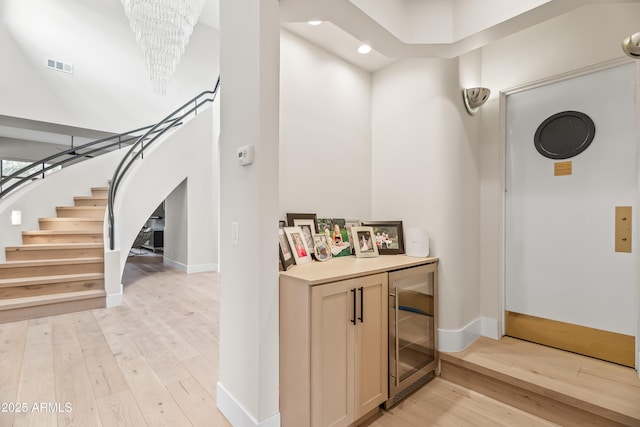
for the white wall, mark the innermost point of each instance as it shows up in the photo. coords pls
(426, 173)
(176, 229)
(579, 39)
(187, 152)
(247, 392)
(325, 133)
(110, 89)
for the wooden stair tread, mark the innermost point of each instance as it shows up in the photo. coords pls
(39, 280)
(90, 197)
(39, 300)
(61, 261)
(85, 210)
(38, 232)
(577, 381)
(79, 208)
(45, 246)
(71, 219)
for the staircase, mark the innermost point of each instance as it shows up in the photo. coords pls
(60, 267)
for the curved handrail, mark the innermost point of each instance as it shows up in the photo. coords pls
(75, 154)
(137, 149)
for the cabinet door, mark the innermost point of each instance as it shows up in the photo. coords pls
(371, 353)
(332, 354)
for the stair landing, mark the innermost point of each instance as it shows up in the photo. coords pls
(562, 387)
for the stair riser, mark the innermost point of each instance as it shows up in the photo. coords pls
(48, 289)
(50, 309)
(8, 272)
(51, 224)
(61, 238)
(35, 255)
(90, 202)
(99, 192)
(81, 212)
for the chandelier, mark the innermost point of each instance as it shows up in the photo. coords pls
(162, 29)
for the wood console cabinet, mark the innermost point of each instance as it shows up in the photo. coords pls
(334, 339)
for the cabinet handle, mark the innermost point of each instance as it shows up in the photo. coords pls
(361, 318)
(353, 320)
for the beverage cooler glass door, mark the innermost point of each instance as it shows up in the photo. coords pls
(412, 326)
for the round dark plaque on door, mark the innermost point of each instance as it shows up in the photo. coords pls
(564, 135)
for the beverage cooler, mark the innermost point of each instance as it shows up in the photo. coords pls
(413, 346)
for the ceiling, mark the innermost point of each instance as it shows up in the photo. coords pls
(395, 29)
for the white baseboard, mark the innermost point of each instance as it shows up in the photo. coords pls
(200, 268)
(491, 328)
(114, 300)
(458, 339)
(175, 264)
(237, 414)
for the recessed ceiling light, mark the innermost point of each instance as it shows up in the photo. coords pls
(315, 22)
(365, 48)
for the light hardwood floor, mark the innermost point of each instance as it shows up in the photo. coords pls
(154, 362)
(151, 362)
(442, 403)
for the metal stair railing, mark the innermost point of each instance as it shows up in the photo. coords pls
(39, 168)
(136, 151)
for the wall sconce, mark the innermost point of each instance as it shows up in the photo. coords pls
(474, 97)
(16, 217)
(631, 46)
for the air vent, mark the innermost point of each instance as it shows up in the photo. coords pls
(60, 66)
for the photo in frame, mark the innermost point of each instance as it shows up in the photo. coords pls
(286, 257)
(307, 222)
(337, 234)
(388, 235)
(364, 242)
(321, 247)
(299, 249)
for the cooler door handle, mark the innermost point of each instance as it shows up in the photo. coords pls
(361, 318)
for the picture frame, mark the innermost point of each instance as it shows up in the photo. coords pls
(286, 256)
(348, 223)
(337, 235)
(322, 247)
(364, 242)
(307, 222)
(299, 249)
(389, 236)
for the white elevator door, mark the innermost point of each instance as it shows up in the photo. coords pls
(560, 258)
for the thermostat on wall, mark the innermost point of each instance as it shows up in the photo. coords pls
(245, 155)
